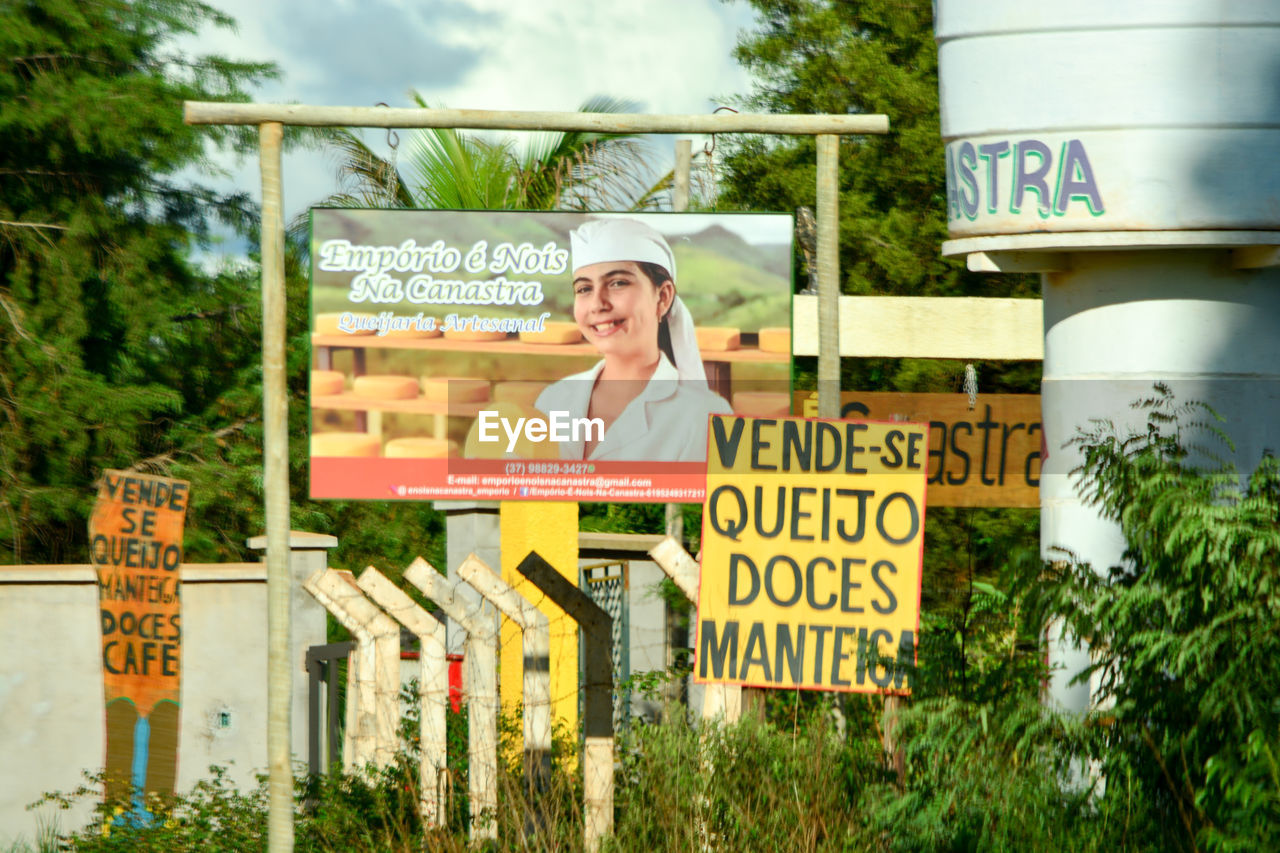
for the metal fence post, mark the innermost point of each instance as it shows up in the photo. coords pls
(597, 630)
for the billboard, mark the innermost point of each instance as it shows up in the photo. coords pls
(812, 552)
(499, 355)
(982, 452)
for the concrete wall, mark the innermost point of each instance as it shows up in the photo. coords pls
(51, 694)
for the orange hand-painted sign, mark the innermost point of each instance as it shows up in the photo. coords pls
(135, 542)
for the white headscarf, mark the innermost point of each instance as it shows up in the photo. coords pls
(599, 240)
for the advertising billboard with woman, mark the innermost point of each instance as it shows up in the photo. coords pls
(559, 356)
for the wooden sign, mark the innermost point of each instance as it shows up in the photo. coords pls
(987, 455)
(135, 542)
(812, 547)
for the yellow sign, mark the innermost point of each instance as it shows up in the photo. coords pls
(812, 547)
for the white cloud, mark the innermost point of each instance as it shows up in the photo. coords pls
(668, 56)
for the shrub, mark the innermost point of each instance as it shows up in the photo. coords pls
(1185, 634)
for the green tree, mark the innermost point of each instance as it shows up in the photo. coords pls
(114, 348)
(864, 56)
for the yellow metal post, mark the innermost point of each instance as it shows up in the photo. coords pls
(551, 529)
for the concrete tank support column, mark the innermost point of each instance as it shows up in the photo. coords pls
(1116, 323)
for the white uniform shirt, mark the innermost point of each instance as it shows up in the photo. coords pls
(666, 422)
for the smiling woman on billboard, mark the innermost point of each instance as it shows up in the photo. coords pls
(649, 389)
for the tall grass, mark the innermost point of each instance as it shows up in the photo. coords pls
(975, 778)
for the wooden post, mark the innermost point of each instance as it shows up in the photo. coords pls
(216, 112)
(828, 276)
(890, 721)
(480, 684)
(680, 182)
(373, 729)
(679, 204)
(275, 480)
(718, 700)
(536, 644)
(597, 753)
(433, 688)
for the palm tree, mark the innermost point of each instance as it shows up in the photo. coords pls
(447, 169)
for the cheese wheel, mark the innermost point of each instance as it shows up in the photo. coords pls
(718, 338)
(473, 336)
(327, 324)
(325, 382)
(775, 339)
(455, 389)
(524, 447)
(554, 333)
(420, 447)
(345, 444)
(764, 404)
(385, 387)
(524, 393)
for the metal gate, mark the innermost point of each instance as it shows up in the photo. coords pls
(326, 708)
(609, 585)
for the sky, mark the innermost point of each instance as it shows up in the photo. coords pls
(667, 56)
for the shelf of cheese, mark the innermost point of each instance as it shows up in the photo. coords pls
(346, 444)
(554, 333)
(415, 406)
(359, 444)
(434, 395)
(515, 346)
(718, 339)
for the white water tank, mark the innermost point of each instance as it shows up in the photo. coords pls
(1097, 115)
